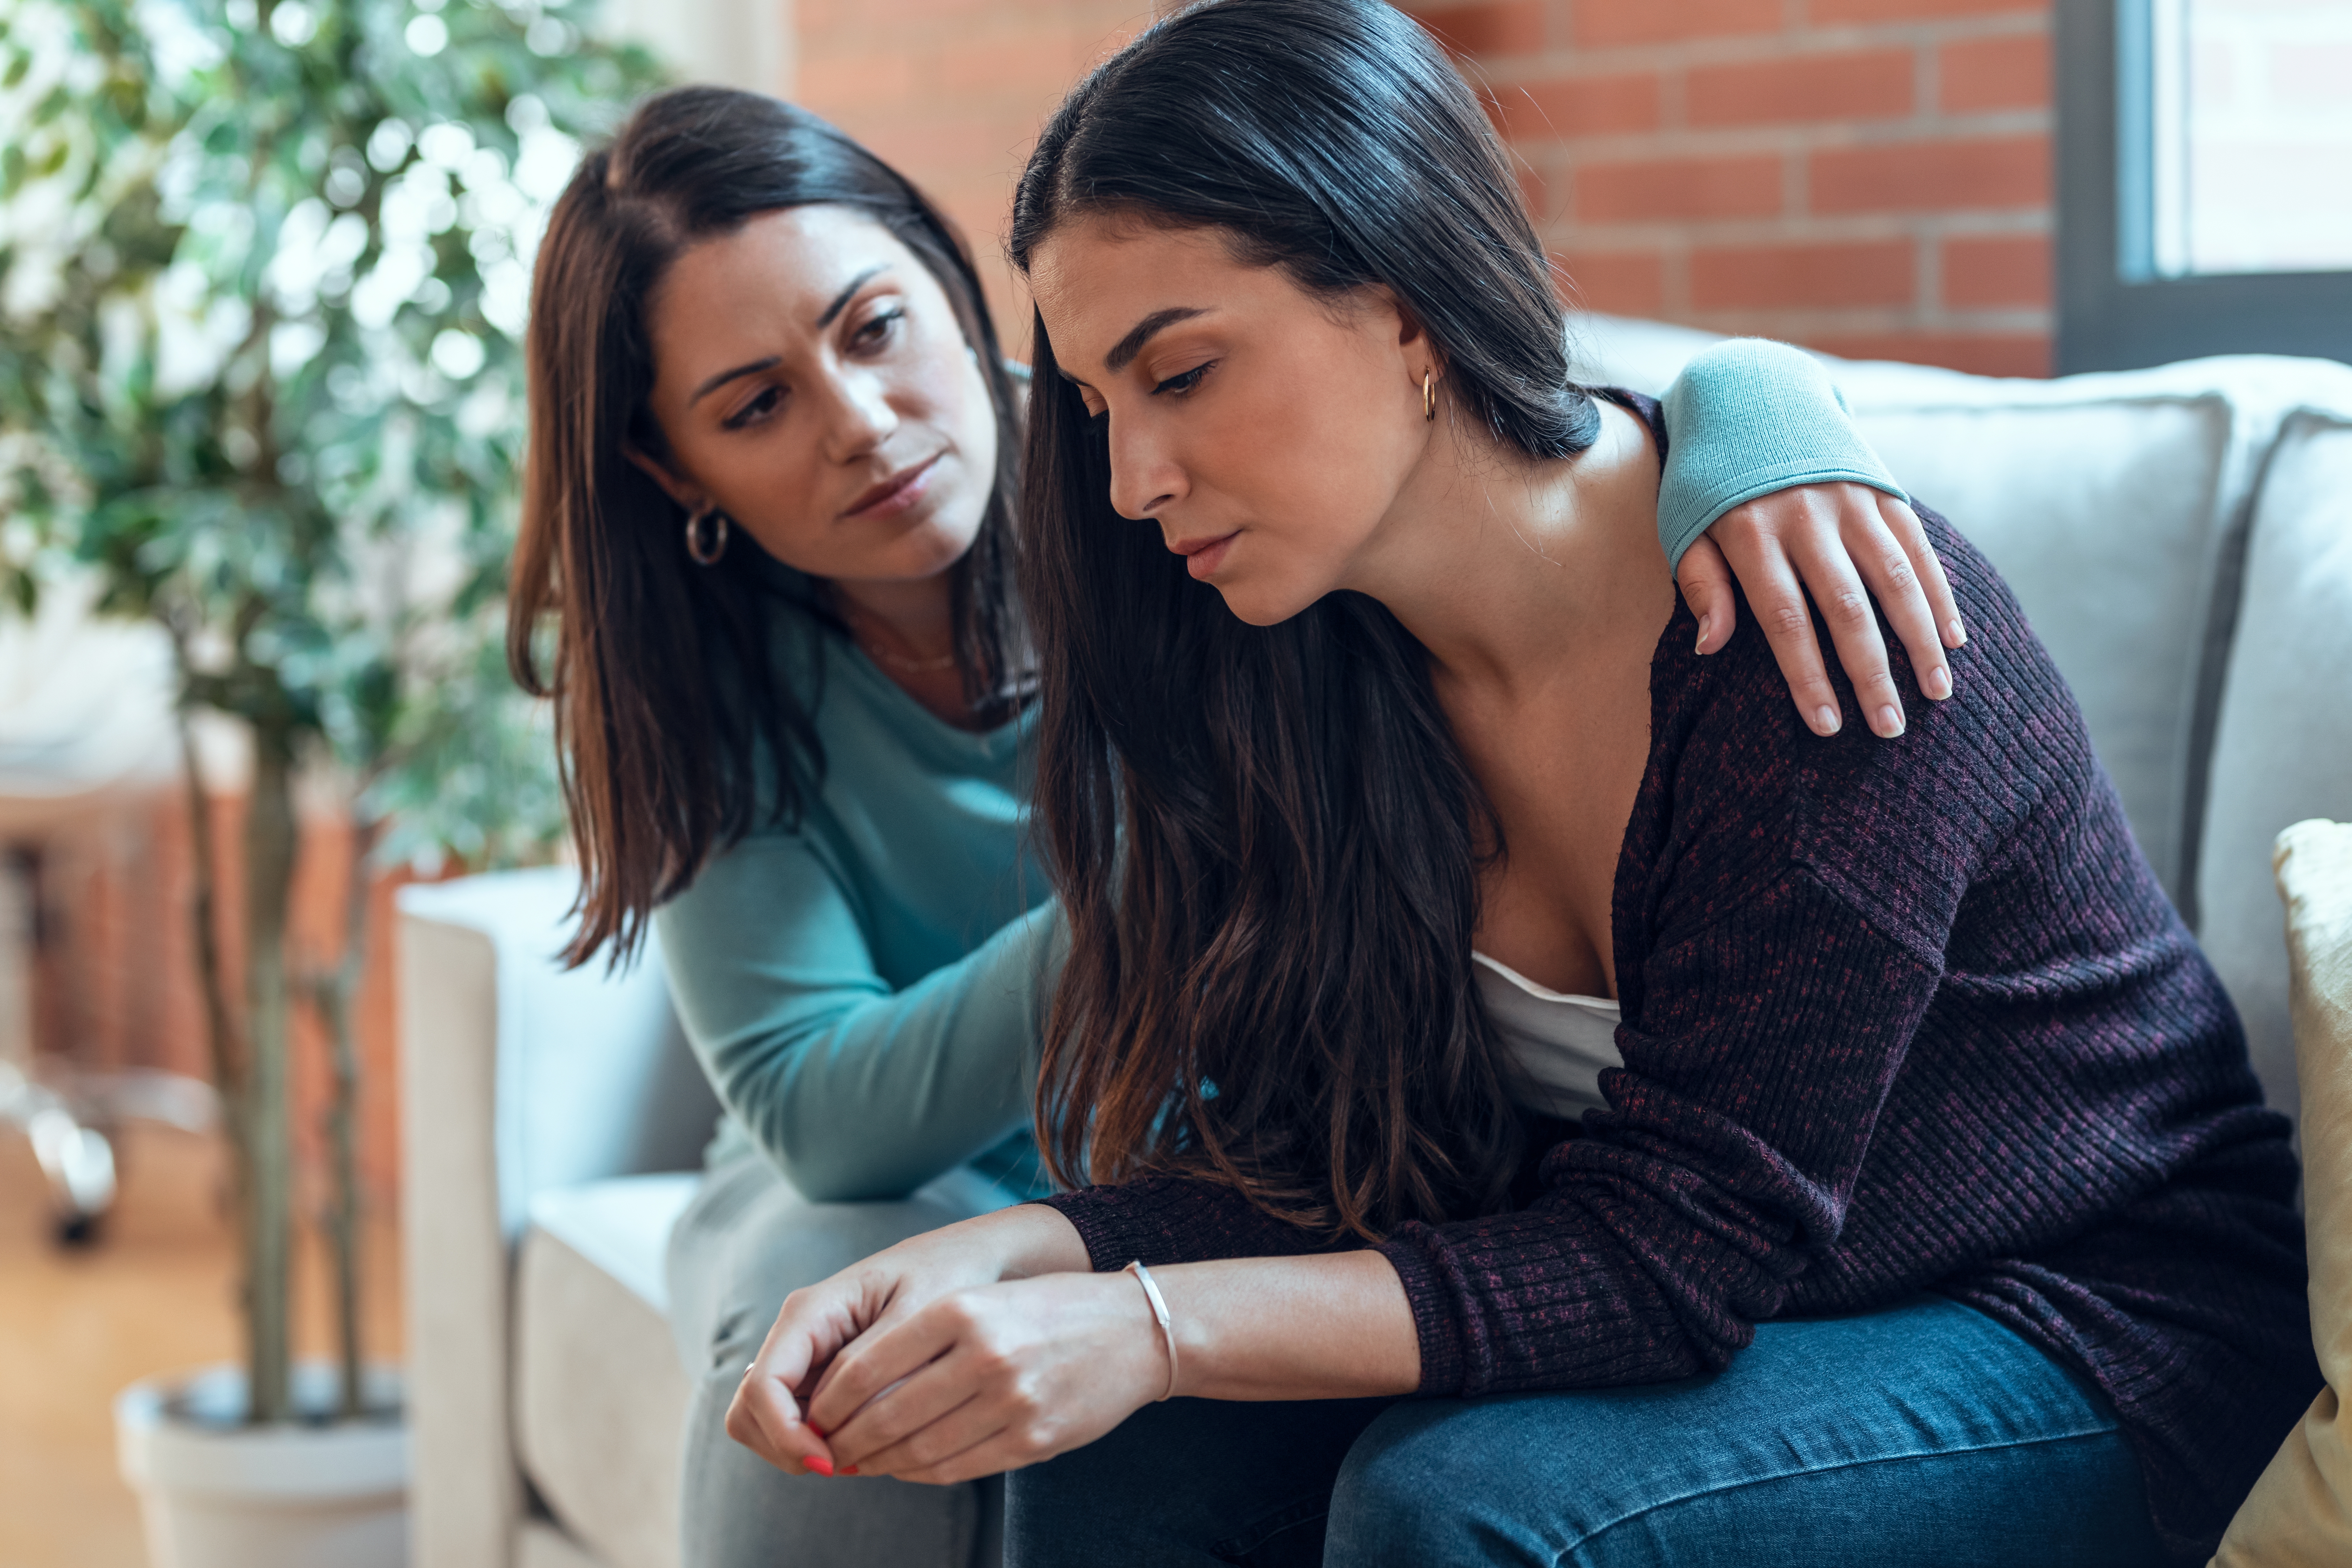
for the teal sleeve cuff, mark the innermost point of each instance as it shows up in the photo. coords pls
(1749, 418)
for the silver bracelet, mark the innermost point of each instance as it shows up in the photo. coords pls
(1159, 1313)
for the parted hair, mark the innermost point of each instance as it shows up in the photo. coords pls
(1266, 840)
(676, 731)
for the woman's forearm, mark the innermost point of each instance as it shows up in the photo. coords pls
(1331, 1327)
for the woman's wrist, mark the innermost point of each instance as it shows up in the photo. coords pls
(1016, 1243)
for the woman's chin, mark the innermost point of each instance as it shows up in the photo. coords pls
(924, 551)
(1262, 604)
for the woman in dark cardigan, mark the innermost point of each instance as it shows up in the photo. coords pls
(1919, 1207)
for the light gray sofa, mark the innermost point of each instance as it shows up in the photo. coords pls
(2180, 537)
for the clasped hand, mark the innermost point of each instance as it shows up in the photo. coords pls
(951, 1356)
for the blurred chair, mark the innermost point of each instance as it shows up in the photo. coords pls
(87, 739)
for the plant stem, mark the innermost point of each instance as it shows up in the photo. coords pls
(335, 993)
(270, 846)
(203, 912)
(228, 1052)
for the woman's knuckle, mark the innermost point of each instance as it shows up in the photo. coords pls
(1786, 619)
(1849, 606)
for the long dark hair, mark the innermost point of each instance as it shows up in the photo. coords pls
(1270, 978)
(675, 732)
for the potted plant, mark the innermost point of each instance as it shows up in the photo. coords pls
(263, 271)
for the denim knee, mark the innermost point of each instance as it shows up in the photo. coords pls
(1411, 1493)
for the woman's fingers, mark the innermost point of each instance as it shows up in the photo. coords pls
(921, 1421)
(885, 1357)
(766, 1415)
(765, 1418)
(1905, 525)
(973, 1443)
(1857, 553)
(1893, 576)
(993, 1378)
(1752, 543)
(1704, 579)
(1819, 554)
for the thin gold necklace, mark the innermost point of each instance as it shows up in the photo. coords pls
(857, 617)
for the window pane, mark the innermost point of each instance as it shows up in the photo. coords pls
(2249, 121)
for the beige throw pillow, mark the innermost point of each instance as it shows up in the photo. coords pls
(2301, 1510)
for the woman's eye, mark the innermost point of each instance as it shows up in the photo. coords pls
(878, 331)
(1181, 384)
(759, 408)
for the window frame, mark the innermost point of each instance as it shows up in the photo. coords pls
(2109, 320)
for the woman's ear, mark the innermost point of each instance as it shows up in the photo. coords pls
(1411, 336)
(678, 488)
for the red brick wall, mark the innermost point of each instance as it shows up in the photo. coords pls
(952, 93)
(1869, 176)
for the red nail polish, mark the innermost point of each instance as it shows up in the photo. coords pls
(819, 1463)
(849, 1470)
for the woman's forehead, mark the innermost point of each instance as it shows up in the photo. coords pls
(795, 260)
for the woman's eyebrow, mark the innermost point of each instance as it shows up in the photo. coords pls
(724, 376)
(841, 301)
(1123, 353)
(833, 311)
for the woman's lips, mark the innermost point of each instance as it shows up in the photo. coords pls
(1203, 556)
(897, 493)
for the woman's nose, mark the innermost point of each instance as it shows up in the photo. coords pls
(862, 415)
(1145, 480)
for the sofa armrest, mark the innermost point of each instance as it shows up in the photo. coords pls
(517, 1076)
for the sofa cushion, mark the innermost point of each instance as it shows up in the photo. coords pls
(600, 1401)
(2301, 1508)
(2282, 749)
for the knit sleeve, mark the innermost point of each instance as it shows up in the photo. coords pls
(1749, 418)
(1169, 1219)
(1735, 1135)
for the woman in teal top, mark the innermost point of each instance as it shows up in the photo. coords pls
(764, 572)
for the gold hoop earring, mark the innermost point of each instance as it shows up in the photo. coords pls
(706, 555)
(1429, 396)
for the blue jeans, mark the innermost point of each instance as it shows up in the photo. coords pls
(1923, 1435)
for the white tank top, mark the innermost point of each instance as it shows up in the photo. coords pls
(1560, 1042)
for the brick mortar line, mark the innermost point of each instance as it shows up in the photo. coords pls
(1771, 321)
(1775, 138)
(1749, 48)
(1859, 228)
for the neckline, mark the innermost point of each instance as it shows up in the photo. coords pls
(992, 743)
(1544, 993)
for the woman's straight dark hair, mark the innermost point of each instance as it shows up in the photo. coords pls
(674, 732)
(1266, 841)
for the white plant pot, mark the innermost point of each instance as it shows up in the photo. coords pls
(215, 1493)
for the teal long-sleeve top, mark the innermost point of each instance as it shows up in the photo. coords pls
(867, 988)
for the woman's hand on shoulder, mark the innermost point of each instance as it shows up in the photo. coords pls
(1846, 543)
(824, 1326)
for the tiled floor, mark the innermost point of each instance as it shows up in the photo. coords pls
(75, 1327)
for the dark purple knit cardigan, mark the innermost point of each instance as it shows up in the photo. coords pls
(1897, 1016)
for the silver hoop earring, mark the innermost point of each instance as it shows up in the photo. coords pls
(706, 555)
